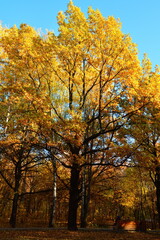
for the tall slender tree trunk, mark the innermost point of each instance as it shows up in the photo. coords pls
(157, 184)
(54, 198)
(85, 199)
(73, 197)
(84, 210)
(13, 217)
(83, 205)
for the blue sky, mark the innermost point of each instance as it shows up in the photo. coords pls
(140, 18)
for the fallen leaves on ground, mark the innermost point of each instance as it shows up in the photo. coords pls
(78, 235)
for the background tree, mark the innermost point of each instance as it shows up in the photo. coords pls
(145, 130)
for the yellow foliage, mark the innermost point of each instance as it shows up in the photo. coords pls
(77, 84)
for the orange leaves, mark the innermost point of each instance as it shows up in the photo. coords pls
(90, 72)
(149, 83)
(72, 26)
(95, 56)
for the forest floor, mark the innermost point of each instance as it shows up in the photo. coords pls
(34, 234)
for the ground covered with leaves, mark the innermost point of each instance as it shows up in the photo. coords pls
(67, 235)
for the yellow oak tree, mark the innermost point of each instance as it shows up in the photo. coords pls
(76, 90)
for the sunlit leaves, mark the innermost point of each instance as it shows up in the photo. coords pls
(83, 82)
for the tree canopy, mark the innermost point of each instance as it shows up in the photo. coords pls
(75, 98)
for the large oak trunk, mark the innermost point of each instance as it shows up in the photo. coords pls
(14, 210)
(73, 198)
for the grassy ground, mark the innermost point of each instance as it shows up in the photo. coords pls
(67, 235)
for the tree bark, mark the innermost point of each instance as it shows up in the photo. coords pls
(73, 197)
(13, 217)
(157, 184)
(84, 212)
(85, 199)
(14, 210)
(54, 198)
